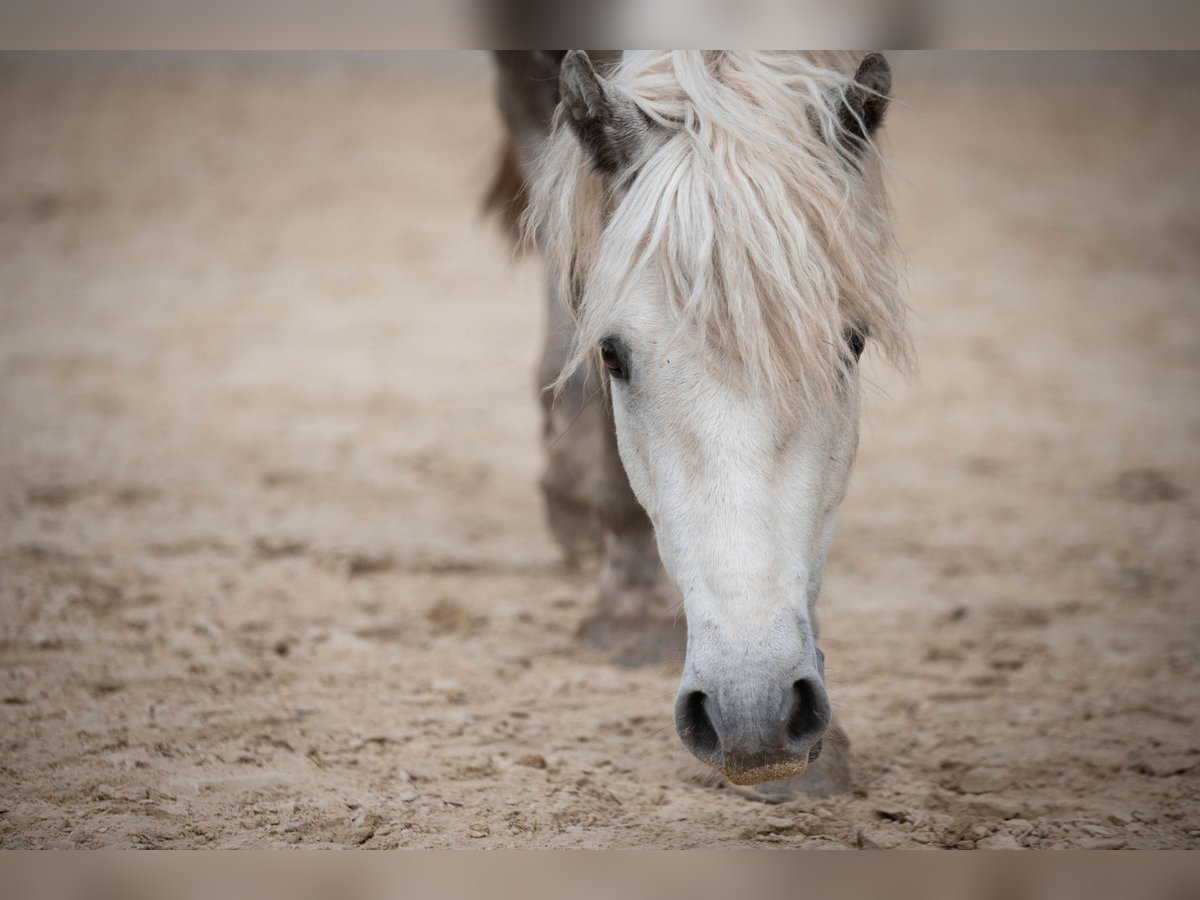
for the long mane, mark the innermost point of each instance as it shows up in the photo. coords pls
(771, 244)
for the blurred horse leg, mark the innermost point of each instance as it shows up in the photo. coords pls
(573, 423)
(526, 94)
(589, 504)
(638, 616)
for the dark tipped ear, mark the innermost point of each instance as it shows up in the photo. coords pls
(610, 126)
(865, 104)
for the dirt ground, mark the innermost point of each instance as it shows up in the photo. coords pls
(273, 569)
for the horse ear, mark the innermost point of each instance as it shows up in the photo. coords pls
(609, 125)
(861, 110)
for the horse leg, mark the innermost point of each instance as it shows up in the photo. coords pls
(589, 503)
(526, 94)
(638, 617)
(572, 432)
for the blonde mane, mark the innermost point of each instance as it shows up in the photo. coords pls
(772, 242)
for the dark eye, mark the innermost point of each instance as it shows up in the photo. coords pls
(613, 355)
(856, 340)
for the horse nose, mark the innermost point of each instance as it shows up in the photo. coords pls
(754, 736)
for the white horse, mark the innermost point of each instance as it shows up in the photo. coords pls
(721, 252)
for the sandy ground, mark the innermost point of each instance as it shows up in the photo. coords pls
(273, 569)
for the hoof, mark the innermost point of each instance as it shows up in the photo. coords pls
(827, 776)
(633, 643)
(638, 618)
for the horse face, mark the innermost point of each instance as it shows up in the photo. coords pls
(740, 483)
(742, 494)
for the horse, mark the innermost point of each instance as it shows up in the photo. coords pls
(720, 253)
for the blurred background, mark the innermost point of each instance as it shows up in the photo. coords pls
(273, 567)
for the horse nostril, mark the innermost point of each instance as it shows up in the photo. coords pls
(695, 727)
(810, 712)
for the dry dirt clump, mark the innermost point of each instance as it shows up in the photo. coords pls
(448, 617)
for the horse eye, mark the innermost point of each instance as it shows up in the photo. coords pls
(857, 341)
(613, 359)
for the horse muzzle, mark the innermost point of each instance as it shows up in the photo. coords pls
(754, 732)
